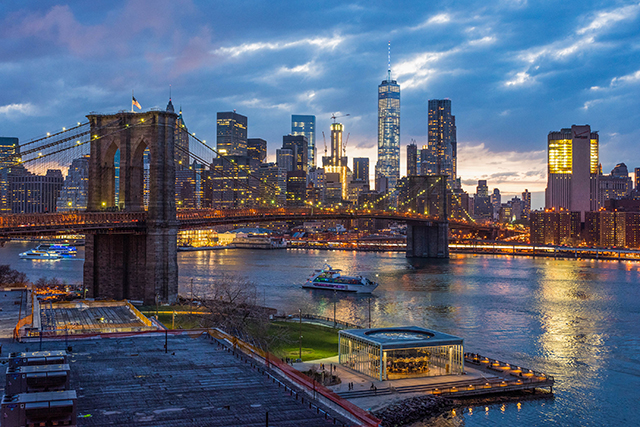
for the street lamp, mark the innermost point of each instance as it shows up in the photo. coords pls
(300, 334)
(334, 308)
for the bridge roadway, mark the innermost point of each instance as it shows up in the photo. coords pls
(135, 222)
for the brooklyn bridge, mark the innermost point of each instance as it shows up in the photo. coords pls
(131, 223)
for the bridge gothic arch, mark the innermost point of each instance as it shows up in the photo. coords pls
(142, 265)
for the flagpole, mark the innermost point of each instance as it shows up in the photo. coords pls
(132, 100)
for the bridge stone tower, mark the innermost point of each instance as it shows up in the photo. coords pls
(427, 195)
(141, 264)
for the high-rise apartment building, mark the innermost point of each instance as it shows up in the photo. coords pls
(231, 135)
(443, 147)
(388, 164)
(299, 145)
(412, 159)
(257, 149)
(637, 176)
(572, 170)
(306, 126)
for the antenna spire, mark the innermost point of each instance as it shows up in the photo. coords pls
(169, 92)
(389, 64)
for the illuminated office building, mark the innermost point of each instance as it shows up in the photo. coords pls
(526, 204)
(284, 159)
(257, 149)
(361, 169)
(299, 145)
(9, 158)
(572, 170)
(388, 164)
(306, 126)
(36, 193)
(234, 182)
(75, 191)
(443, 147)
(231, 137)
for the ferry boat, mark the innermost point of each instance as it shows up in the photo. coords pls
(36, 254)
(64, 249)
(330, 278)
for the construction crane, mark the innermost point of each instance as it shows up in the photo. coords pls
(334, 117)
(344, 146)
(325, 144)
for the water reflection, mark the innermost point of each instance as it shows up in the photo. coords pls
(574, 319)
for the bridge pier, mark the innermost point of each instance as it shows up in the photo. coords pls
(428, 240)
(143, 264)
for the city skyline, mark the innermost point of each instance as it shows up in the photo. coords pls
(62, 61)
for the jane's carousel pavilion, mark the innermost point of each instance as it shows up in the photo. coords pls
(401, 352)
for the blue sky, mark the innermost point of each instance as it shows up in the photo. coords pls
(514, 71)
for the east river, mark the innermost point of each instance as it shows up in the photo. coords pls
(578, 320)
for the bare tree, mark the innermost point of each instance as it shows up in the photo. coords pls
(11, 277)
(231, 302)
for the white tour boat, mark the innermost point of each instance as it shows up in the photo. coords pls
(36, 254)
(330, 279)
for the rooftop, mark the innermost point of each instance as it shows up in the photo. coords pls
(403, 337)
(132, 381)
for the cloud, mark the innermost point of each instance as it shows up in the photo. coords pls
(322, 43)
(512, 171)
(606, 19)
(18, 109)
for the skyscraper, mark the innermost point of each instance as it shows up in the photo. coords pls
(361, 169)
(442, 157)
(299, 145)
(637, 176)
(257, 149)
(412, 159)
(231, 137)
(336, 144)
(526, 204)
(75, 190)
(573, 167)
(9, 156)
(306, 125)
(389, 129)
(482, 201)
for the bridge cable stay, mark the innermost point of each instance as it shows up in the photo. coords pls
(50, 135)
(219, 173)
(69, 156)
(276, 190)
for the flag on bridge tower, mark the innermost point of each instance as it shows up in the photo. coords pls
(135, 102)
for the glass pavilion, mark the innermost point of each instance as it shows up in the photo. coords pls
(401, 352)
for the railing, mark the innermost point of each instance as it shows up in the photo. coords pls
(364, 418)
(17, 222)
(79, 221)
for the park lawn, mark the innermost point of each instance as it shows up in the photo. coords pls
(318, 342)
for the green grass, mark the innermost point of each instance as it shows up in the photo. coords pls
(318, 342)
(182, 321)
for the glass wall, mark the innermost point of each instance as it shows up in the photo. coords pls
(368, 357)
(424, 361)
(360, 355)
